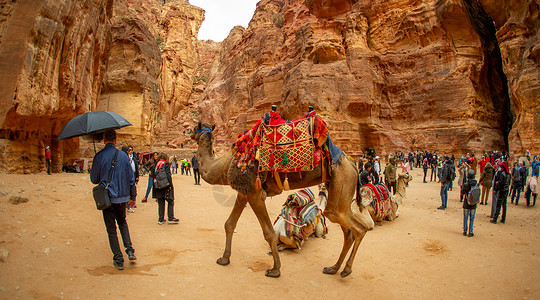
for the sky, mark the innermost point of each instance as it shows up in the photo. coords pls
(222, 15)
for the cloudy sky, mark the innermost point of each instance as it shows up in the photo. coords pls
(222, 15)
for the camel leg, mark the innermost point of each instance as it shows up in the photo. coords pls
(348, 267)
(259, 208)
(230, 225)
(348, 239)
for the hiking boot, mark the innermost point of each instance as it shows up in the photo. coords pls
(144, 200)
(464, 233)
(441, 207)
(161, 222)
(502, 221)
(131, 256)
(471, 234)
(493, 221)
(119, 266)
(174, 221)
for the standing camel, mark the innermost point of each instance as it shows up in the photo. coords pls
(341, 189)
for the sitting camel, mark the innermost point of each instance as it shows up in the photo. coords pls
(300, 233)
(389, 209)
(343, 181)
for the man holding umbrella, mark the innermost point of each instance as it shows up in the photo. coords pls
(119, 190)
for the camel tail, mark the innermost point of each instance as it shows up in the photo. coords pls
(358, 186)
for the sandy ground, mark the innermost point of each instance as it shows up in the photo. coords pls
(55, 246)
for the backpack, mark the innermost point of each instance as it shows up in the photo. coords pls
(450, 173)
(516, 174)
(536, 169)
(474, 195)
(161, 181)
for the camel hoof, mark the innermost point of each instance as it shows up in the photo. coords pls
(223, 261)
(273, 273)
(345, 273)
(331, 270)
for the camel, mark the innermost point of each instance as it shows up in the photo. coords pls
(316, 227)
(341, 188)
(395, 200)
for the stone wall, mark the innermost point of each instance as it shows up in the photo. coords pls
(53, 56)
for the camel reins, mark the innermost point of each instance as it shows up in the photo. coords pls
(202, 131)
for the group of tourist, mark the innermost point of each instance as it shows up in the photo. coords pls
(494, 173)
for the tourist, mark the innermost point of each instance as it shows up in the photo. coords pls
(149, 167)
(134, 162)
(532, 188)
(365, 176)
(120, 187)
(195, 165)
(166, 193)
(390, 175)
(486, 180)
(48, 159)
(405, 166)
(188, 167)
(376, 169)
(495, 191)
(425, 165)
(182, 167)
(173, 165)
(433, 165)
(502, 183)
(518, 177)
(463, 171)
(535, 166)
(446, 176)
(469, 211)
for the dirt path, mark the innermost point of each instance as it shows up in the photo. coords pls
(55, 246)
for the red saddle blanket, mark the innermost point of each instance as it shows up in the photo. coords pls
(282, 146)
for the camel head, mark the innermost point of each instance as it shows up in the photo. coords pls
(200, 129)
(405, 177)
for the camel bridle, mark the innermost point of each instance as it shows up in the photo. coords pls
(201, 132)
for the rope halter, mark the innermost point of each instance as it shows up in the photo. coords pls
(202, 131)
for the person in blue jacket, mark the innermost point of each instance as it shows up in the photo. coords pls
(122, 179)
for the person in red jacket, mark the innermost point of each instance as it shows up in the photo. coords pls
(48, 159)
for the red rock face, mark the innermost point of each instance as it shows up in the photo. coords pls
(519, 39)
(152, 66)
(53, 56)
(394, 75)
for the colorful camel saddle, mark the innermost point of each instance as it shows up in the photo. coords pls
(299, 211)
(378, 197)
(279, 145)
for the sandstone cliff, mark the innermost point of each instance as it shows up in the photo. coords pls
(394, 75)
(53, 56)
(152, 65)
(518, 35)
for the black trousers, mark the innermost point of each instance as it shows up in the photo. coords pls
(501, 203)
(425, 173)
(48, 165)
(117, 213)
(197, 176)
(161, 209)
(391, 187)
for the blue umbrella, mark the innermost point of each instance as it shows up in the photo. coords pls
(92, 122)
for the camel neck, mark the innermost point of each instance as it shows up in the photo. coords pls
(206, 151)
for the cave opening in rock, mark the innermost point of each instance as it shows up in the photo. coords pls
(494, 81)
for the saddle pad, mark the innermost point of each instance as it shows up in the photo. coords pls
(286, 147)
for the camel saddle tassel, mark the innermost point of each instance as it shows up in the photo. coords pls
(258, 184)
(278, 180)
(286, 184)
